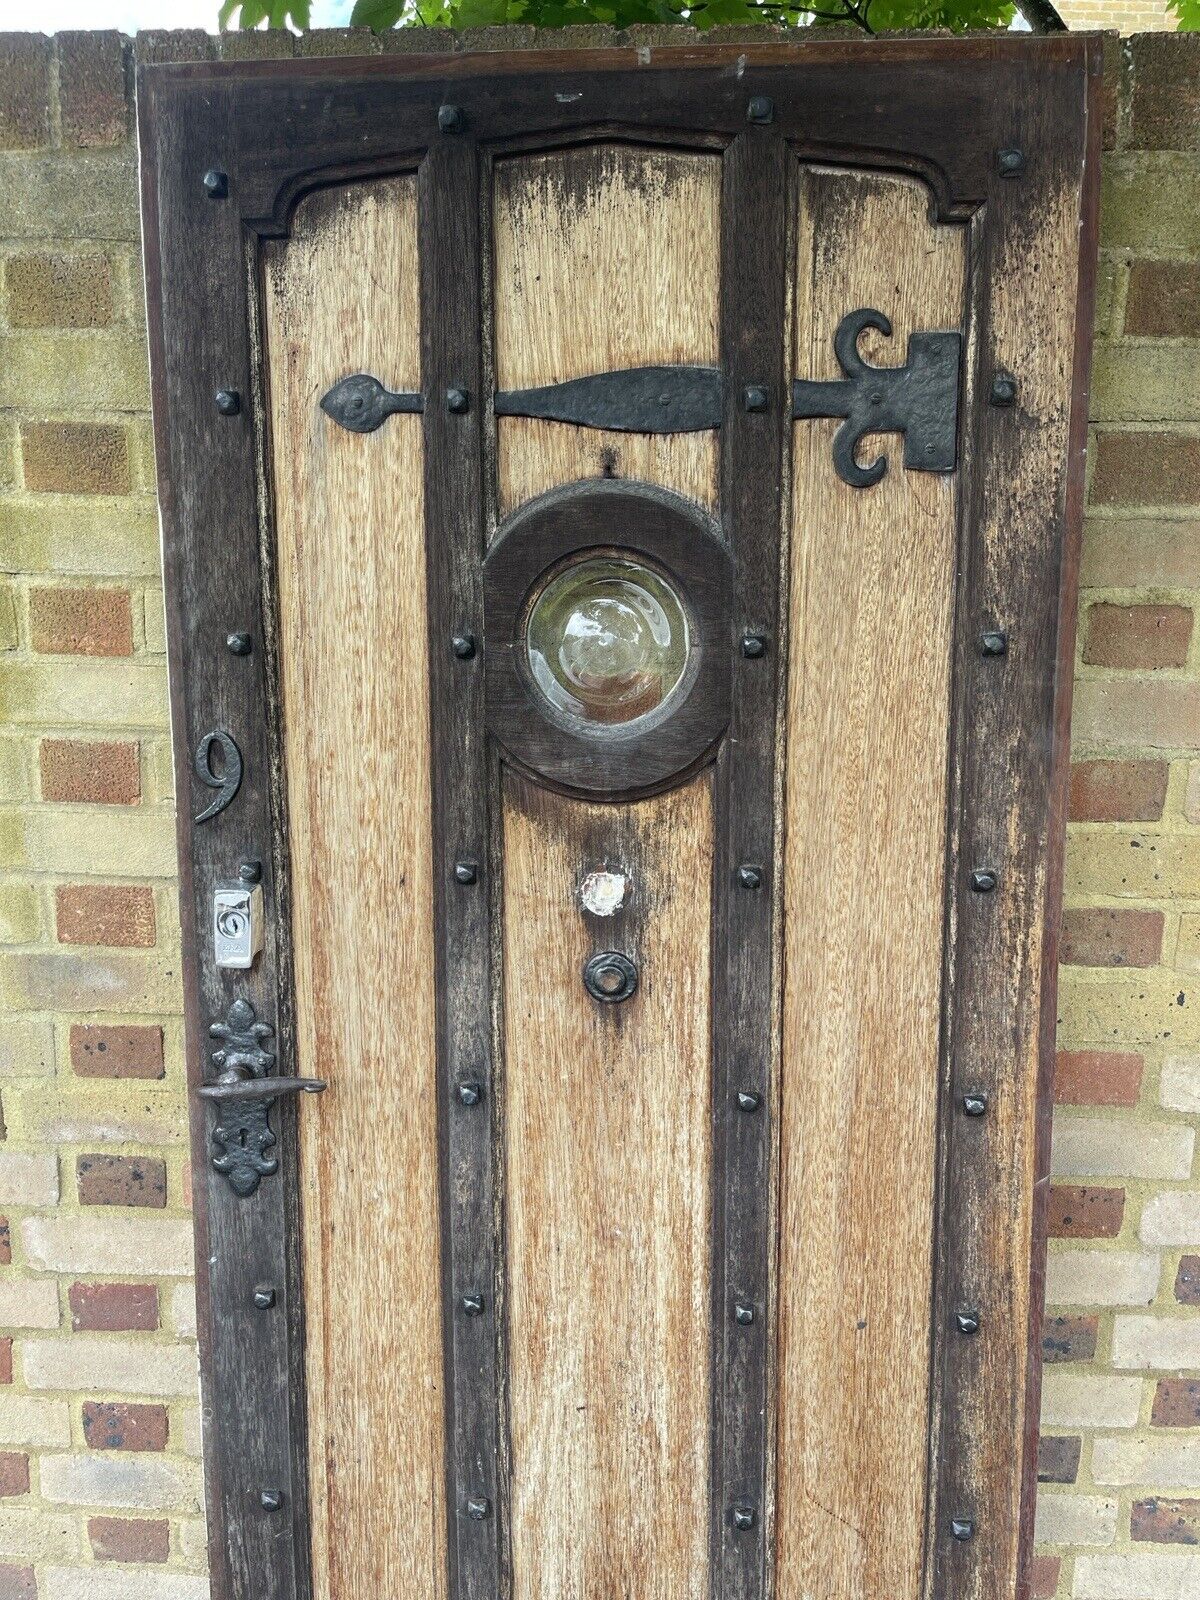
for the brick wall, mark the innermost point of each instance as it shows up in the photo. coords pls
(1125, 16)
(100, 1493)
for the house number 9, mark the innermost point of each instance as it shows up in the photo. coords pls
(226, 779)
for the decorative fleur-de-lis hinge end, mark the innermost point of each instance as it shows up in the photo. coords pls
(361, 403)
(919, 399)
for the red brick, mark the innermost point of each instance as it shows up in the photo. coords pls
(6, 1360)
(1058, 1459)
(121, 1180)
(1164, 110)
(110, 1425)
(91, 772)
(75, 457)
(1166, 1521)
(1044, 1572)
(1187, 1281)
(113, 1307)
(1164, 299)
(1082, 1211)
(1069, 1338)
(1099, 936)
(1145, 637)
(14, 1473)
(81, 622)
(5, 1242)
(1118, 791)
(133, 1050)
(1176, 1403)
(1146, 469)
(129, 1538)
(24, 91)
(57, 291)
(91, 89)
(1097, 1078)
(17, 1583)
(117, 915)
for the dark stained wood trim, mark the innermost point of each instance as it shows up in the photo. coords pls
(754, 197)
(1008, 754)
(1060, 774)
(451, 358)
(294, 124)
(200, 319)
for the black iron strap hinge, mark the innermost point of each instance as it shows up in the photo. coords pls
(919, 400)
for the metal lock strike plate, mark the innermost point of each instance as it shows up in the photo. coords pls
(237, 924)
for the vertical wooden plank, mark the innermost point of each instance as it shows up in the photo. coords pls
(754, 226)
(449, 233)
(871, 607)
(354, 679)
(608, 1174)
(606, 257)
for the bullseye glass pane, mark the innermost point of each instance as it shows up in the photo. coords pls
(607, 641)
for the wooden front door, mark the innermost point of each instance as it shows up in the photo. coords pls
(620, 515)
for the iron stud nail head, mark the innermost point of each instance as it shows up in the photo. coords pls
(216, 183)
(962, 1528)
(238, 644)
(750, 877)
(993, 643)
(983, 880)
(755, 397)
(974, 1105)
(470, 1094)
(1010, 163)
(457, 401)
(748, 1102)
(472, 1305)
(1004, 389)
(754, 646)
(270, 1499)
(264, 1296)
(463, 645)
(760, 109)
(451, 119)
(743, 1313)
(478, 1507)
(466, 872)
(744, 1518)
(250, 871)
(967, 1321)
(228, 402)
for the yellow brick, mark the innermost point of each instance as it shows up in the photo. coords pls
(26, 1047)
(20, 914)
(1187, 948)
(68, 980)
(74, 371)
(9, 632)
(156, 622)
(1127, 1008)
(124, 1113)
(1141, 866)
(14, 770)
(124, 692)
(87, 536)
(125, 842)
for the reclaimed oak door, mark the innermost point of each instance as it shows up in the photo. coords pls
(620, 513)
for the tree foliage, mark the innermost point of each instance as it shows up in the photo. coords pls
(1187, 13)
(873, 16)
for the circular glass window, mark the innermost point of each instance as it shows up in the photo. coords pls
(607, 640)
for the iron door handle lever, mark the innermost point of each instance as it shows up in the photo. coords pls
(260, 1088)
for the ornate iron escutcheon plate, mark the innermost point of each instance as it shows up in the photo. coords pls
(919, 400)
(625, 521)
(244, 1092)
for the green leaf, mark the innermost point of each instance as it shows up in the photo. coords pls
(1188, 13)
(377, 14)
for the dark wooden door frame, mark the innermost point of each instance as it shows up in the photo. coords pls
(227, 150)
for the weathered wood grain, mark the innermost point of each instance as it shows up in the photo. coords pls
(355, 675)
(872, 590)
(608, 1163)
(606, 256)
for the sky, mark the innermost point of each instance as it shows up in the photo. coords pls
(51, 16)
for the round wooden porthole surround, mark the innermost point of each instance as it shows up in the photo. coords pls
(681, 544)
